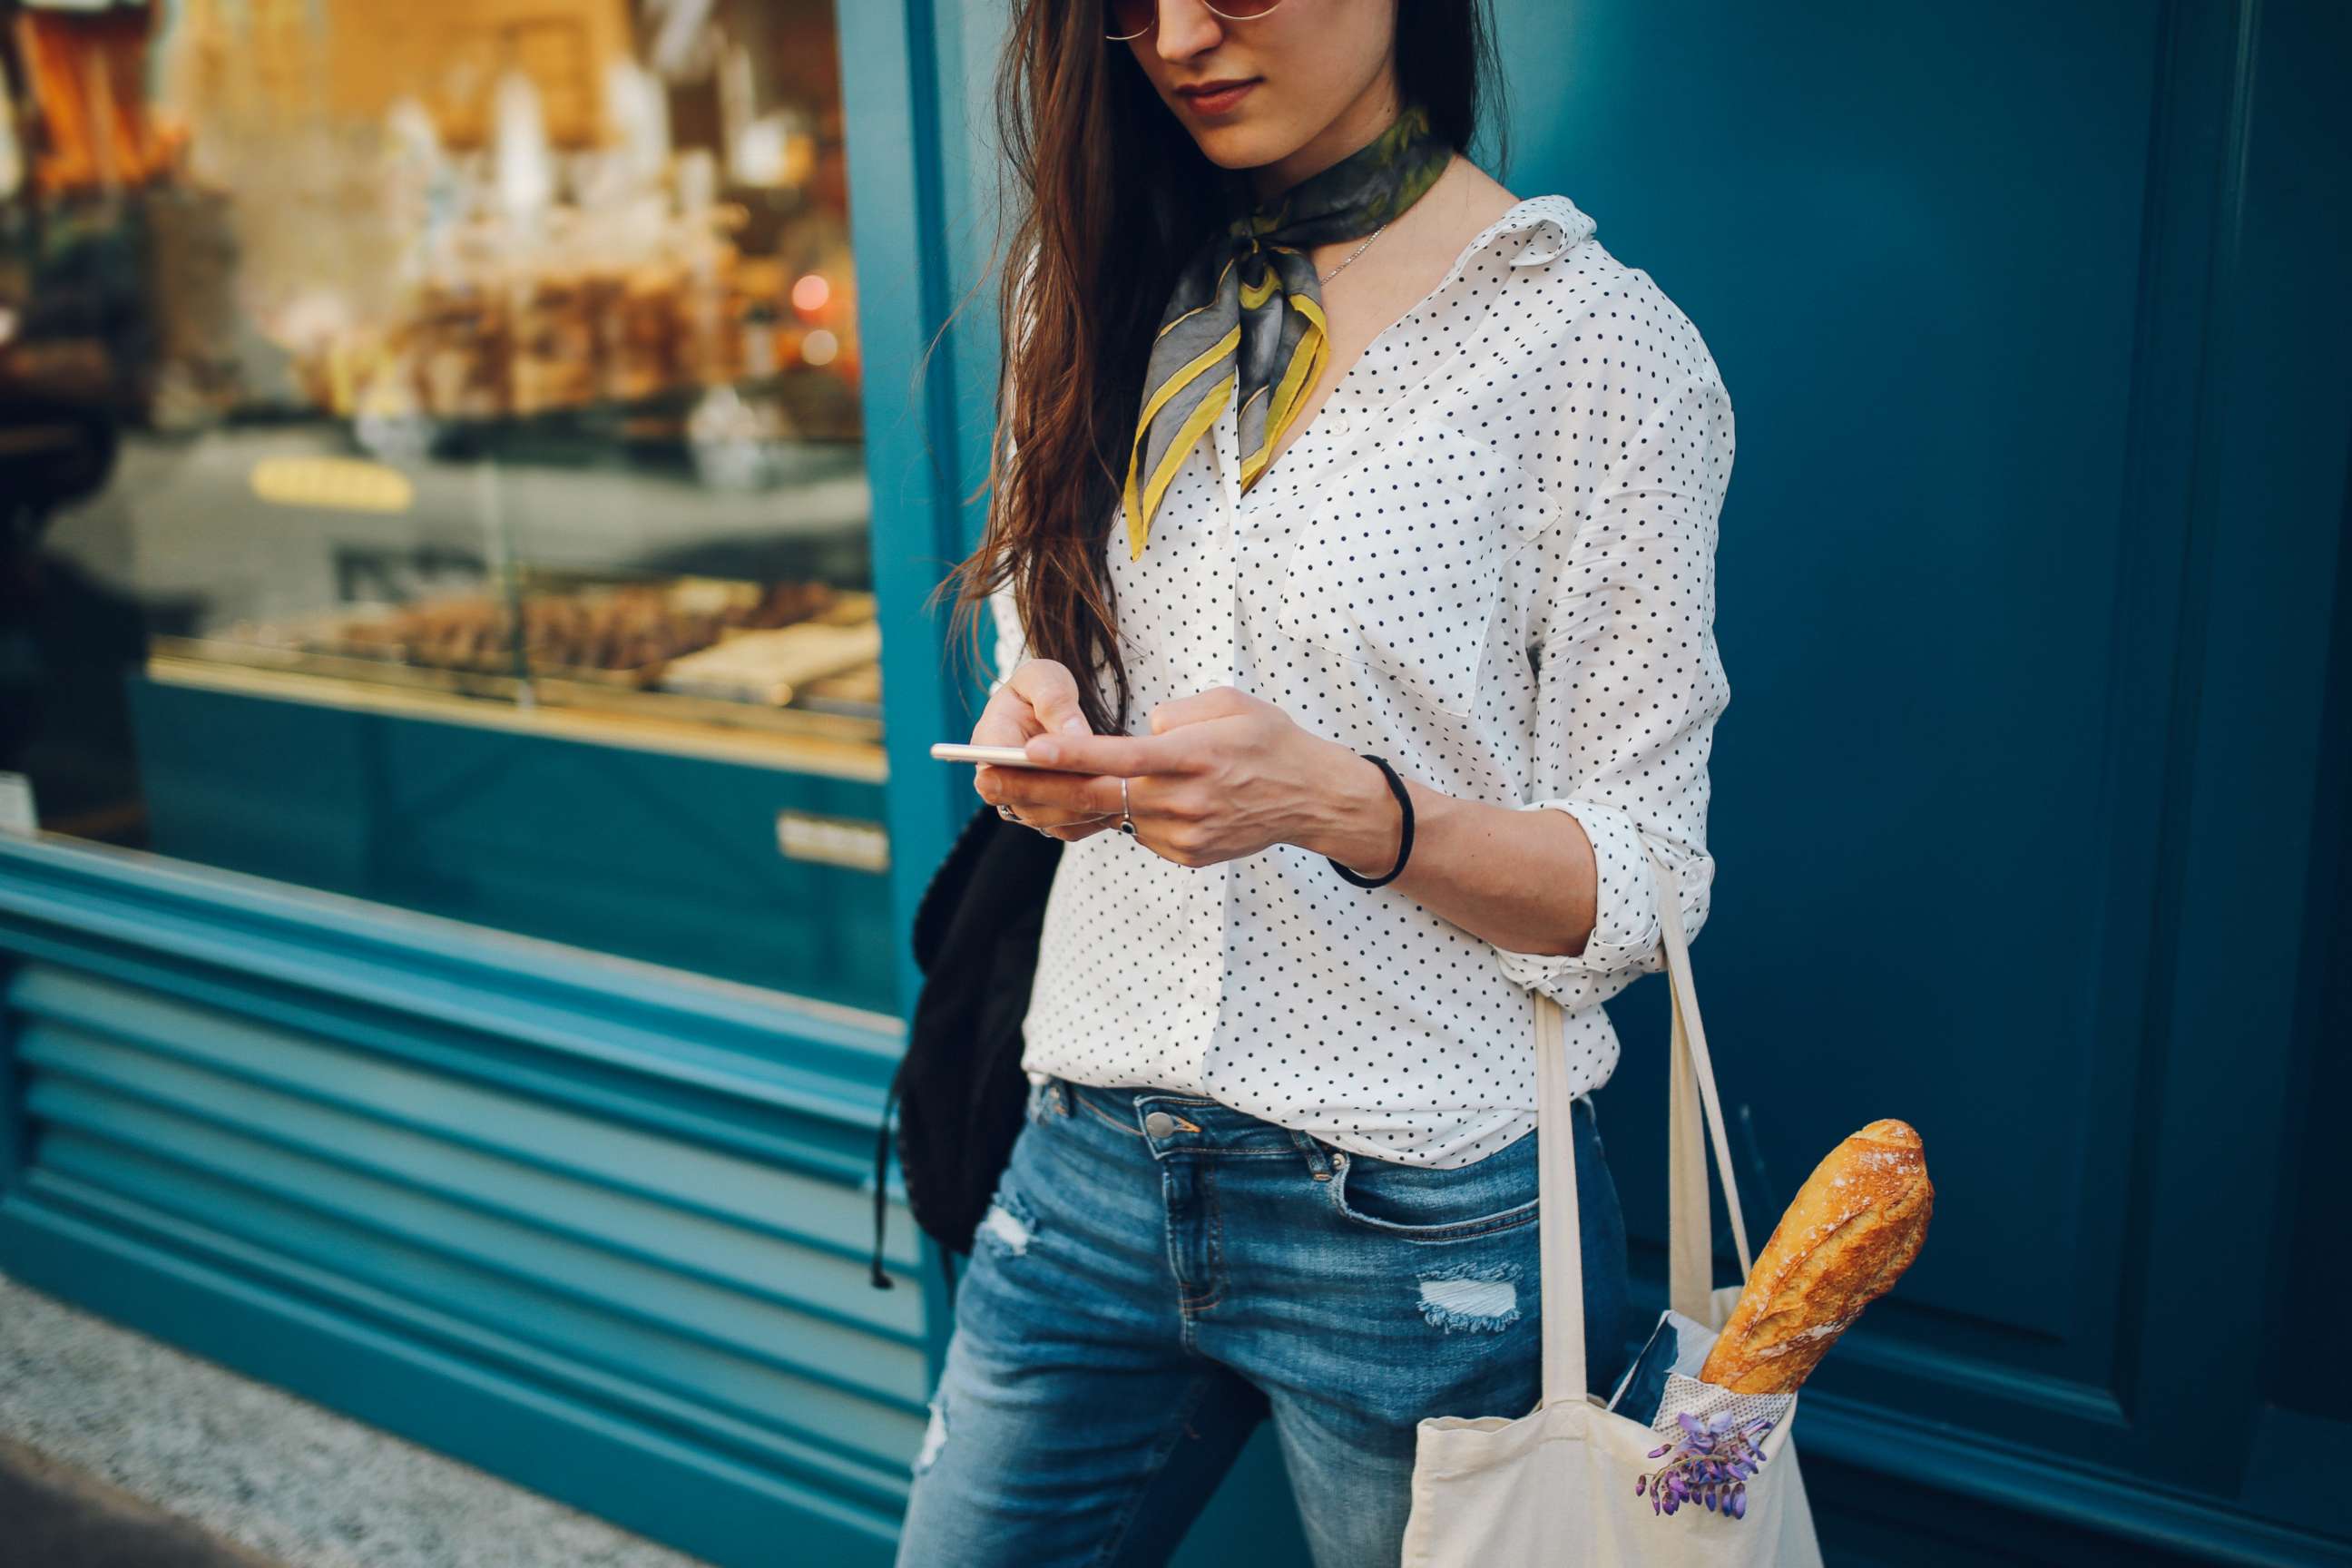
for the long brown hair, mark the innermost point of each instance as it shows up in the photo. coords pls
(1112, 194)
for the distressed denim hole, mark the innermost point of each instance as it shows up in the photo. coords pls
(1009, 1223)
(935, 1435)
(1471, 1296)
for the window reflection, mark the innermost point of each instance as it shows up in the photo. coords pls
(434, 364)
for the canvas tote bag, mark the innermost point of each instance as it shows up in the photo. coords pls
(1555, 1487)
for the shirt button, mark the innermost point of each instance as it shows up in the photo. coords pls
(1159, 1124)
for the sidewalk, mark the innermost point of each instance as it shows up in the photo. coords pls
(125, 1452)
(59, 1516)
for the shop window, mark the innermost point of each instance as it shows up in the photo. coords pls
(434, 465)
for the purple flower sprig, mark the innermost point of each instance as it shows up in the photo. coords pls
(1711, 1464)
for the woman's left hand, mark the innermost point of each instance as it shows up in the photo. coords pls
(1222, 775)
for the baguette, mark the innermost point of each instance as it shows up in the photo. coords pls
(1853, 1229)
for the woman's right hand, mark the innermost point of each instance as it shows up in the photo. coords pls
(1042, 695)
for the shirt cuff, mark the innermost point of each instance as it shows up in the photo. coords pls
(1625, 940)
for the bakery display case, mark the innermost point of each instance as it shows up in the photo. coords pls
(472, 513)
(795, 656)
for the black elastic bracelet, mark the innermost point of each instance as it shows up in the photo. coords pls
(1396, 788)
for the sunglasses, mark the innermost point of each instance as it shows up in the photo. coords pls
(1133, 18)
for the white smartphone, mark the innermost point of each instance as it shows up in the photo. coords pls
(1002, 756)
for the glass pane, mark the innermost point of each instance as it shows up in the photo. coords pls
(435, 466)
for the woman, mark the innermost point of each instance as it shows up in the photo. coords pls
(1321, 446)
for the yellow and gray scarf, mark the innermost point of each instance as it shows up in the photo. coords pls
(1248, 309)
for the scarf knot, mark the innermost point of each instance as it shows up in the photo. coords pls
(1243, 323)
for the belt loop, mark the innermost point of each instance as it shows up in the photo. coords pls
(1319, 1161)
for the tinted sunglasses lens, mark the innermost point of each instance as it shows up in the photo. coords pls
(1126, 18)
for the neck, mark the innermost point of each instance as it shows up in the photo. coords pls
(1373, 111)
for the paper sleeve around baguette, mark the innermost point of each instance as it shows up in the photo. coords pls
(1852, 1229)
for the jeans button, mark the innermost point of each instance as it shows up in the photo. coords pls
(1159, 1124)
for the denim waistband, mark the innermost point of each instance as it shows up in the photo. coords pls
(1201, 1122)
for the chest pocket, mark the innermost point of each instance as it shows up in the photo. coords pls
(1399, 568)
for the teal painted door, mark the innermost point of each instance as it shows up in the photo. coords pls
(2033, 319)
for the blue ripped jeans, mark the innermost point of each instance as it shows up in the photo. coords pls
(1158, 1272)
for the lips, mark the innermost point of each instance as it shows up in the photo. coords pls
(1215, 98)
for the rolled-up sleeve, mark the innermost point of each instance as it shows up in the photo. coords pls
(1629, 687)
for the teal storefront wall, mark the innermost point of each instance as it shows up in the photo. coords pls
(2028, 812)
(583, 1222)
(478, 823)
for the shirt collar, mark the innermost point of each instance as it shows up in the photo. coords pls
(1563, 225)
(1554, 225)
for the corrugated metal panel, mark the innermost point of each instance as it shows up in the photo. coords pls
(696, 1288)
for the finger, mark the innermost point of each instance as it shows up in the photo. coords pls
(1052, 692)
(1122, 756)
(1006, 720)
(1027, 790)
(1080, 826)
(1035, 792)
(1217, 702)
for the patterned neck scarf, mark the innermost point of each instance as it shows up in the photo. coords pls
(1248, 309)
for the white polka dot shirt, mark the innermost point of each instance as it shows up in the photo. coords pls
(1490, 559)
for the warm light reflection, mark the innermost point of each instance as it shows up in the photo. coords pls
(335, 484)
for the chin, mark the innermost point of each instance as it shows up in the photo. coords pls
(1239, 146)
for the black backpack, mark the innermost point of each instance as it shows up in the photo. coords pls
(960, 1090)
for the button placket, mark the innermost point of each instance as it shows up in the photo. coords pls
(1407, 589)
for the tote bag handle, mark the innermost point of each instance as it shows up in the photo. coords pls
(1689, 1239)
